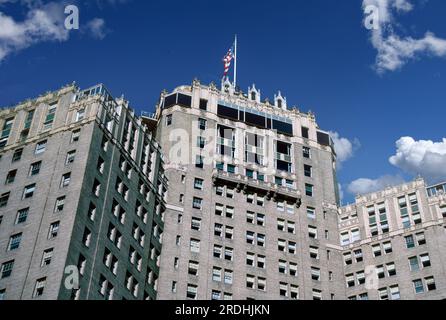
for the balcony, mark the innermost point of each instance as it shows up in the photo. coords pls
(245, 184)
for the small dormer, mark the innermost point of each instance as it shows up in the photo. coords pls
(254, 94)
(280, 102)
(227, 86)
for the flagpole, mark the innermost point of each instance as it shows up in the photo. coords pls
(235, 62)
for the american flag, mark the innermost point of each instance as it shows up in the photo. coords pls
(227, 60)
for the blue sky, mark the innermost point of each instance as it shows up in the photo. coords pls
(318, 53)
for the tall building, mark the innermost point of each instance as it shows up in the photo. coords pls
(393, 243)
(81, 199)
(252, 204)
(237, 200)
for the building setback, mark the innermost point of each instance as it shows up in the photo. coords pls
(82, 189)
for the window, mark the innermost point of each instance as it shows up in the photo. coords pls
(317, 294)
(192, 291)
(312, 232)
(410, 243)
(80, 115)
(218, 251)
(430, 284)
(28, 192)
(11, 177)
(425, 260)
(314, 252)
(6, 269)
(345, 238)
(47, 257)
(4, 199)
(14, 242)
(2, 294)
(358, 255)
(198, 184)
(315, 274)
(293, 269)
(421, 239)
(383, 294)
(41, 147)
(39, 288)
(66, 179)
(197, 203)
(96, 190)
(261, 284)
(350, 279)
(86, 238)
(311, 213)
(413, 263)
(418, 286)
(196, 224)
(203, 104)
(228, 277)
(35, 168)
(308, 171)
(283, 289)
(305, 132)
(202, 124)
(376, 249)
(70, 157)
(391, 269)
(50, 116)
(250, 281)
(17, 155)
(229, 253)
(22, 215)
(75, 136)
(387, 246)
(169, 120)
(309, 190)
(54, 230)
(199, 162)
(306, 152)
(193, 268)
(395, 292)
(195, 245)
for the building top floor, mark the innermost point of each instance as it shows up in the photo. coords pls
(231, 103)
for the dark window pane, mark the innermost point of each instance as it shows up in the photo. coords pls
(184, 100)
(323, 138)
(226, 112)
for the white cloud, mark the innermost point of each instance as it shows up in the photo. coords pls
(42, 23)
(393, 50)
(45, 23)
(96, 28)
(364, 186)
(425, 158)
(344, 148)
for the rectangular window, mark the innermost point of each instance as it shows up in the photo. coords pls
(311, 213)
(4, 199)
(197, 203)
(306, 152)
(198, 184)
(203, 104)
(6, 269)
(75, 135)
(309, 190)
(80, 115)
(41, 147)
(60, 203)
(168, 120)
(22, 215)
(11, 177)
(54, 230)
(192, 291)
(47, 257)
(17, 155)
(70, 157)
(39, 288)
(35, 168)
(410, 242)
(195, 245)
(430, 284)
(66, 179)
(14, 242)
(28, 192)
(202, 124)
(308, 171)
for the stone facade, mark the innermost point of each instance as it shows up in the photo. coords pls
(94, 174)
